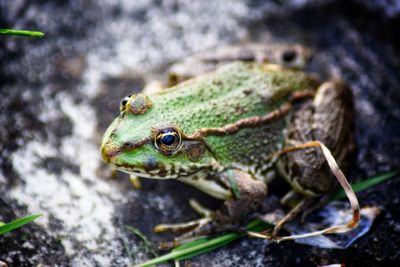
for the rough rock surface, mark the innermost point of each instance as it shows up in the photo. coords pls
(59, 93)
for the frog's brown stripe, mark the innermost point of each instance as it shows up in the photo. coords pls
(243, 123)
(114, 151)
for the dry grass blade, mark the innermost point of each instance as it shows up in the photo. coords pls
(200, 246)
(147, 245)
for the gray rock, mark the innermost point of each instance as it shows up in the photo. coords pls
(59, 93)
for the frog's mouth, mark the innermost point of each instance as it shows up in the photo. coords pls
(170, 172)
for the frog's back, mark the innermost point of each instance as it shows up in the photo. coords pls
(236, 92)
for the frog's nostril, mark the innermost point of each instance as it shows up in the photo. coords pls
(108, 152)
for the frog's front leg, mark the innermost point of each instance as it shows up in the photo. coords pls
(242, 194)
(247, 195)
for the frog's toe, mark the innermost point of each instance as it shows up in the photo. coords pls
(135, 180)
(273, 234)
(191, 230)
(206, 214)
(200, 209)
(183, 227)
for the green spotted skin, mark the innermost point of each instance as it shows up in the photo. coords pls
(235, 92)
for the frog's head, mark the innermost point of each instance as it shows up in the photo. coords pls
(140, 142)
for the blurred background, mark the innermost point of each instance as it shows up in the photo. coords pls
(59, 93)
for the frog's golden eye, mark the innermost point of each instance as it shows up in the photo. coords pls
(168, 141)
(123, 103)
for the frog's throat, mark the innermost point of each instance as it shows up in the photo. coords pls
(197, 179)
(161, 174)
(167, 171)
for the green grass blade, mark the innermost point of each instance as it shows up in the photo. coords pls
(190, 244)
(200, 246)
(128, 251)
(21, 33)
(197, 247)
(146, 242)
(139, 234)
(209, 246)
(363, 185)
(5, 228)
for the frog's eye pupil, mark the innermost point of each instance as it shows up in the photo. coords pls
(168, 139)
(123, 103)
(289, 55)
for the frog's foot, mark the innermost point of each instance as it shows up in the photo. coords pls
(153, 87)
(113, 172)
(293, 213)
(315, 205)
(135, 180)
(292, 199)
(247, 194)
(303, 207)
(300, 207)
(191, 229)
(188, 227)
(288, 217)
(207, 218)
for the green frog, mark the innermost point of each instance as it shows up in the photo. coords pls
(221, 124)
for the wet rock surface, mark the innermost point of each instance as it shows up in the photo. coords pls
(59, 93)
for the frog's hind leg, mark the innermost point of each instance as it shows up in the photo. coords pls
(288, 56)
(346, 188)
(327, 119)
